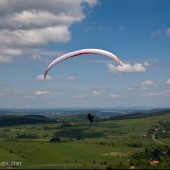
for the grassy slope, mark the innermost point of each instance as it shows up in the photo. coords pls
(111, 146)
(45, 153)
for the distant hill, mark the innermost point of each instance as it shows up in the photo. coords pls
(29, 118)
(139, 115)
(11, 120)
(98, 112)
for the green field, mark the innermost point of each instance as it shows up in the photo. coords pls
(82, 145)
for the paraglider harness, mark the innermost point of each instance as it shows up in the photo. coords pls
(90, 117)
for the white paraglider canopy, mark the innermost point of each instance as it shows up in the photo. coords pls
(78, 53)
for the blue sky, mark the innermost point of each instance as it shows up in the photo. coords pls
(33, 34)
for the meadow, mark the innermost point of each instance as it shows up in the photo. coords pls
(80, 145)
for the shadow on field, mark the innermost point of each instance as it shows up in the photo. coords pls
(78, 133)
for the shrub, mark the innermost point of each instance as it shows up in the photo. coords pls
(55, 139)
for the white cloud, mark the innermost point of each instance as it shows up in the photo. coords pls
(147, 83)
(2, 94)
(165, 93)
(152, 95)
(5, 59)
(36, 23)
(96, 93)
(78, 97)
(114, 95)
(156, 33)
(146, 64)
(41, 77)
(143, 85)
(126, 68)
(41, 93)
(34, 37)
(3, 82)
(167, 32)
(45, 56)
(10, 51)
(28, 97)
(71, 78)
(168, 81)
(36, 57)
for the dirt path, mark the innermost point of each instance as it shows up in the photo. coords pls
(153, 137)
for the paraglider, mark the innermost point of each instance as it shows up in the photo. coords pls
(78, 53)
(90, 117)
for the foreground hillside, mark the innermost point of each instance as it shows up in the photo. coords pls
(77, 144)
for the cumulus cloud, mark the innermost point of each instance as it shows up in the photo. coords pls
(28, 97)
(78, 97)
(156, 33)
(36, 23)
(71, 78)
(41, 93)
(36, 57)
(3, 82)
(146, 64)
(143, 85)
(95, 92)
(167, 32)
(34, 37)
(5, 59)
(10, 51)
(41, 77)
(146, 84)
(114, 95)
(126, 68)
(168, 81)
(165, 93)
(151, 94)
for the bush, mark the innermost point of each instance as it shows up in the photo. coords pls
(55, 139)
(27, 136)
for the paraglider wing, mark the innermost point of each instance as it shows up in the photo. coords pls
(80, 52)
